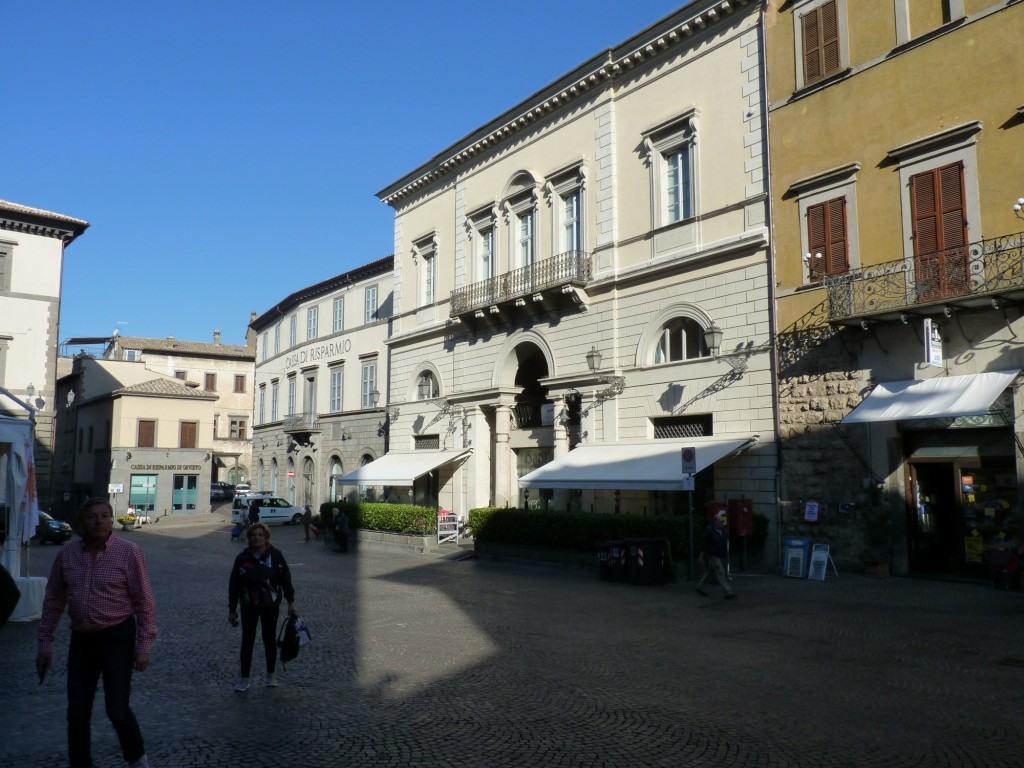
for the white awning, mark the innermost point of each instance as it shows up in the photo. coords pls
(653, 465)
(943, 396)
(400, 468)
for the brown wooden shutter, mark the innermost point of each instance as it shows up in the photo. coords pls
(940, 232)
(147, 434)
(820, 33)
(826, 234)
(188, 434)
(816, 240)
(937, 209)
(837, 261)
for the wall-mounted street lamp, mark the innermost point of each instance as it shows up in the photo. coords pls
(1018, 207)
(713, 336)
(616, 384)
(390, 416)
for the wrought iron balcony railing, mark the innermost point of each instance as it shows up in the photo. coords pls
(527, 415)
(571, 268)
(951, 276)
(301, 422)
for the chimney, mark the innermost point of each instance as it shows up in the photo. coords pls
(216, 336)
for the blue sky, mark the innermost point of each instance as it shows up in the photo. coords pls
(227, 154)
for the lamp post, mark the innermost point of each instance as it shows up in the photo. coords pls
(390, 415)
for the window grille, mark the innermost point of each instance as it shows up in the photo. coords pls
(427, 442)
(683, 427)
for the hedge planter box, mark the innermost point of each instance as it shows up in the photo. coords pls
(402, 540)
(538, 555)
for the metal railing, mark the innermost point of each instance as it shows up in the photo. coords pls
(526, 415)
(572, 267)
(985, 267)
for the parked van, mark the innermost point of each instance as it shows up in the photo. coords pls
(273, 509)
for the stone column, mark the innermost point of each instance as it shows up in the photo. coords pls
(502, 455)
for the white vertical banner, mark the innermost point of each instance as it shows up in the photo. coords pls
(932, 343)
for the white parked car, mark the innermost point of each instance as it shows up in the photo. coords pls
(242, 489)
(273, 509)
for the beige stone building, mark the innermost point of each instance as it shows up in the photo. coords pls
(226, 371)
(32, 243)
(321, 384)
(148, 435)
(582, 288)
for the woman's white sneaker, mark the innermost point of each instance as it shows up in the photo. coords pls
(271, 680)
(242, 685)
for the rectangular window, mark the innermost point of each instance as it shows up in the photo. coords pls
(147, 434)
(309, 396)
(263, 346)
(237, 428)
(336, 389)
(485, 243)
(369, 384)
(826, 239)
(210, 382)
(239, 383)
(142, 493)
(5, 267)
(311, 322)
(819, 33)
(292, 331)
(338, 314)
(429, 278)
(274, 389)
(180, 375)
(678, 199)
(291, 396)
(188, 434)
(570, 223)
(263, 404)
(277, 339)
(526, 238)
(370, 304)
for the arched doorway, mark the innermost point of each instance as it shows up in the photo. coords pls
(290, 488)
(334, 472)
(531, 416)
(308, 482)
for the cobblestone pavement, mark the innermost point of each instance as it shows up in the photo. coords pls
(423, 660)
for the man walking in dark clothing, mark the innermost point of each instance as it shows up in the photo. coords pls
(713, 552)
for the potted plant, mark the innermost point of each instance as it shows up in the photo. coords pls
(127, 521)
(877, 542)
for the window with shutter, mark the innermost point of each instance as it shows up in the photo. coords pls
(188, 434)
(939, 231)
(826, 239)
(147, 433)
(820, 42)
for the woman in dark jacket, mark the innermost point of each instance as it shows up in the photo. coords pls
(259, 578)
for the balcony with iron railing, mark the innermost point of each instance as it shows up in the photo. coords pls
(551, 278)
(967, 276)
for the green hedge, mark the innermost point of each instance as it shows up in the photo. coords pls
(394, 518)
(585, 532)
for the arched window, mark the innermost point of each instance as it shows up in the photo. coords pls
(291, 482)
(427, 387)
(681, 338)
(273, 476)
(334, 475)
(260, 484)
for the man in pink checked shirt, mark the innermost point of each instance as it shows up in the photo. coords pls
(102, 580)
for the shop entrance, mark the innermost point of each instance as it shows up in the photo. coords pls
(935, 519)
(963, 515)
